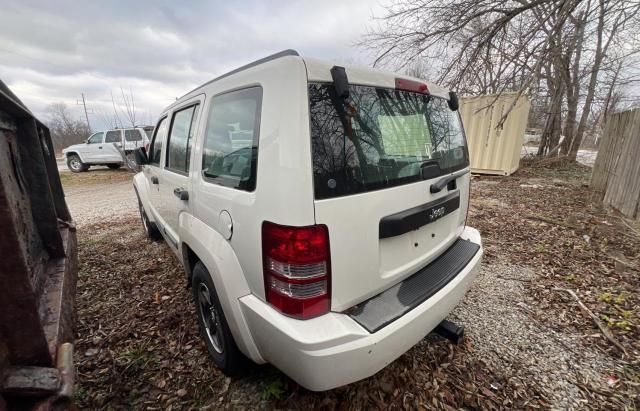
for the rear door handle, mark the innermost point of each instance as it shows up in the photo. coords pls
(154, 180)
(99, 147)
(181, 193)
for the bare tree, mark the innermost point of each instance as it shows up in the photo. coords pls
(116, 117)
(64, 127)
(130, 106)
(126, 107)
(559, 48)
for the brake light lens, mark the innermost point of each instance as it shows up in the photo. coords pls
(410, 85)
(297, 269)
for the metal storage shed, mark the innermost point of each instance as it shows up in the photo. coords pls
(493, 149)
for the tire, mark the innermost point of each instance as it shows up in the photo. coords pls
(213, 325)
(75, 164)
(150, 228)
(114, 166)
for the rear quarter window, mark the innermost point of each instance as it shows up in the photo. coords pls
(132, 135)
(230, 150)
(113, 136)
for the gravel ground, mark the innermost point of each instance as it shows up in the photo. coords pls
(506, 334)
(517, 353)
(107, 198)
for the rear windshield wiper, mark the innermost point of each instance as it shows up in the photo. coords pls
(442, 183)
(430, 169)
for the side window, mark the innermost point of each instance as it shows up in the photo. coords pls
(180, 138)
(231, 142)
(132, 134)
(96, 138)
(113, 136)
(155, 149)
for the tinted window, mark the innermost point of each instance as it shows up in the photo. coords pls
(96, 138)
(180, 138)
(231, 142)
(113, 136)
(155, 149)
(381, 138)
(132, 135)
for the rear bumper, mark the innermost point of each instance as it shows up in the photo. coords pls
(333, 350)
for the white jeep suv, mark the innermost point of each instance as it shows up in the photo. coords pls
(104, 148)
(319, 213)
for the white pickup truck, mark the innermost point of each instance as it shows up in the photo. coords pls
(104, 148)
(319, 212)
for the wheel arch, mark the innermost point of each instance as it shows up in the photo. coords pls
(201, 243)
(69, 153)
(141, 189)
(189, 260)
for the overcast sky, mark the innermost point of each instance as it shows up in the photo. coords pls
(52, 51)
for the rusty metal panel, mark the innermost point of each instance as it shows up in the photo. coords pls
(38, 258)
(22, 279)
(494, 149)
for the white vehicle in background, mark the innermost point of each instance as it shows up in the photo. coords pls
(105, 148)
(319, 213)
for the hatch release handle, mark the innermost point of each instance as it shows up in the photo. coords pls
(442, 183)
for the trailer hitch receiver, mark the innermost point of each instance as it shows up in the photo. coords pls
(451, 331)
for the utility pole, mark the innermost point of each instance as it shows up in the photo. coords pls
(84, 104)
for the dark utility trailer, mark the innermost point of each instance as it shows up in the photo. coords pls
(38, 266)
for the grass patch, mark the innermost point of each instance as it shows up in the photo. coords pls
(95, 177)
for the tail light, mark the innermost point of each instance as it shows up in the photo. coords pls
(297, 269)
(411, 85)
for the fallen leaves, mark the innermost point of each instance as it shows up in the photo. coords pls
(138, 344)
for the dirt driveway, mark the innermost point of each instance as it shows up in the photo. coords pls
(528, 343)
(99, 195)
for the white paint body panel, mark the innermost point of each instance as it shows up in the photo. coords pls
(105, 153)
(332, 349)
(95, 153)
(374, 264)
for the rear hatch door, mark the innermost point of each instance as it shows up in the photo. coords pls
(391, 183)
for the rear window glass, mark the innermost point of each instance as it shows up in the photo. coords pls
(380, 138)
(113, 137)
(132, 135)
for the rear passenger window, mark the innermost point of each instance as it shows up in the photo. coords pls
(231, 142)
(113, 136)
(155, 149)
(180, 138)
(132, 135)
